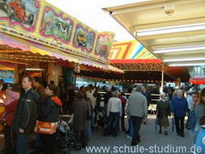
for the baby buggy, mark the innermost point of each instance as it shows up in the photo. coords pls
(65, 138)
(101, 118)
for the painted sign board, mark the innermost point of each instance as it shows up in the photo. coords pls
(104, 43)
(56, 25)
(20, 14)
(84, 37)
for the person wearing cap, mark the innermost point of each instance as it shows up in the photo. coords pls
(137, 110)
(163, 111)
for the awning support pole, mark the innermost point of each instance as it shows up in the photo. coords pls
(162, 82)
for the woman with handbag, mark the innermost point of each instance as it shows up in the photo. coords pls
(48, 119)
(163, 111)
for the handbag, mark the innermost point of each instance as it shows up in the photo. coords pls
(43, 127)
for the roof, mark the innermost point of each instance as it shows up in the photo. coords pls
(129, 50)
(173, 30)
(131, 56)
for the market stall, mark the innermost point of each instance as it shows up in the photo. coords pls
(45, 34)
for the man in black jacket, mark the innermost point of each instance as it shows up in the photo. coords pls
(25, 115)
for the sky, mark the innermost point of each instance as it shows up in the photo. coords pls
(91, 14)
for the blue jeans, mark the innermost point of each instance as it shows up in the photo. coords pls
(88, 130)
(113, 124)
(21, 143)
(191, 133)
(131, 128)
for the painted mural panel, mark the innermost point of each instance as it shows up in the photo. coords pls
(23, 13)
(55, 26)
(104, 43)
(84, 38)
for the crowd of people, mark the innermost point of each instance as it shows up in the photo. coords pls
(25, 106)
(190, 103)
(33, 105)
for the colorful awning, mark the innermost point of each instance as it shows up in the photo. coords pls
(6, 66)
(129, 50)
(14, 43)
(36, 48)
(132, 56)
(197, 80)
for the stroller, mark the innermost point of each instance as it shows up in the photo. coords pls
(65, 138)
(101, 118)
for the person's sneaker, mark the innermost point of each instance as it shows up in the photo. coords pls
(166, 133)
(160, 131)
(182, 135)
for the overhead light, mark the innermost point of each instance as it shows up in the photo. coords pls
(180, 49)
(34, 69)
(187, 64)
(173, 29)
(188, 59)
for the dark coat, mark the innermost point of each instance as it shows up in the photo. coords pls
(163, 108)
(26, 112)
(41, 92)
(80, 109)
(163, 111)
(50, 109)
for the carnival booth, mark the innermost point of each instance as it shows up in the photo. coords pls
(45, 37)
(140, 65)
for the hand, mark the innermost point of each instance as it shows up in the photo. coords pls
(21, 130)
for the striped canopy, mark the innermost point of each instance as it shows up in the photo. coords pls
(129, 50)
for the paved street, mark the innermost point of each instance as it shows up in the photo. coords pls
(150, 141)
(149, 138)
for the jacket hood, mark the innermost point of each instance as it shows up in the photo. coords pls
(57, 100)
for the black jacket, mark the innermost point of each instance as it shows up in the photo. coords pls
(50, 109)
(26, 112)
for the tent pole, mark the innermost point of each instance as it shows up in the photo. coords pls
(162, 81)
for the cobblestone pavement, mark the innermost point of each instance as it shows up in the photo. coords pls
(151, 142)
